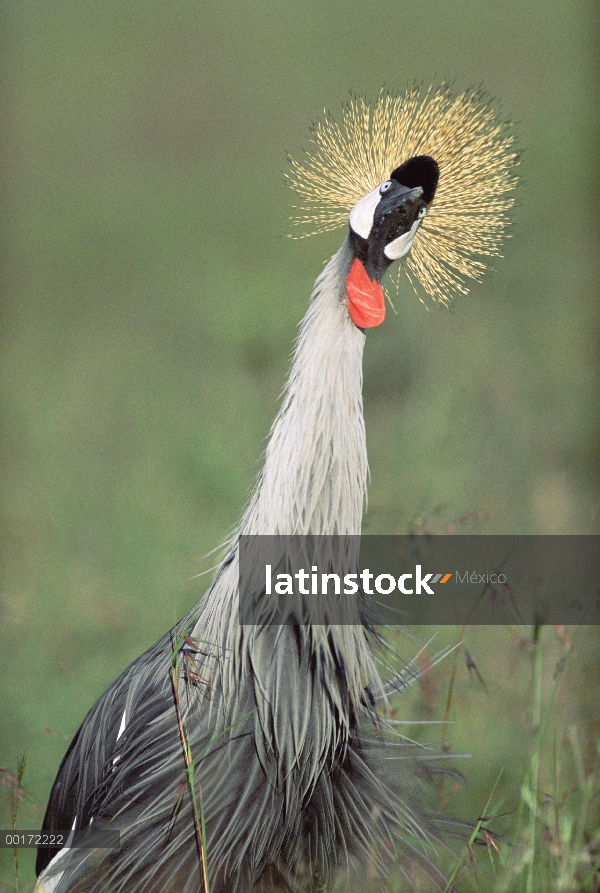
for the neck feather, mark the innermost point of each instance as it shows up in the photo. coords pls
(313, 482)
(315, 472)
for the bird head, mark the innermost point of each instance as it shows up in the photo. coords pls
(451, 146)
(383, 225)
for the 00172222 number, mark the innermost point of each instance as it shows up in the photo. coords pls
(31, 839)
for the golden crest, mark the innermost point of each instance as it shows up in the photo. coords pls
(473, 148)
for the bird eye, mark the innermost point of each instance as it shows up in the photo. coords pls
(384, 187)
(421, 213)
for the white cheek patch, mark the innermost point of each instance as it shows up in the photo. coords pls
(361, 215)
(402, 245)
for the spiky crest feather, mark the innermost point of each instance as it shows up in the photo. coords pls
(475, 153)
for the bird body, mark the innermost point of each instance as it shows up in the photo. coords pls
(273, 728)
(273, 785)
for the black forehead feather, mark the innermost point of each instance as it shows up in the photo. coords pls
(421, 170)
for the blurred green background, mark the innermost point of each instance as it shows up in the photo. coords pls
(151, 297)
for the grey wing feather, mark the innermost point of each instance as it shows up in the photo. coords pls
(88, 763)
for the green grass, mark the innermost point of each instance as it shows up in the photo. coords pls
(535, 806)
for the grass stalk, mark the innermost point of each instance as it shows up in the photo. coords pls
(197, 804)
(191, 761)
(533, 778)
(16, 794)
(479, 826)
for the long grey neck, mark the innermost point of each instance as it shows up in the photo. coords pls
(315, 472)
(313, 482)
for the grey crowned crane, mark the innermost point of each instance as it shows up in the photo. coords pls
(234, 759)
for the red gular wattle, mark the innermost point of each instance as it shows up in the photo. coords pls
(366, 302)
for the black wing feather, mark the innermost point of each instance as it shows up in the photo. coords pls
(88, 763)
